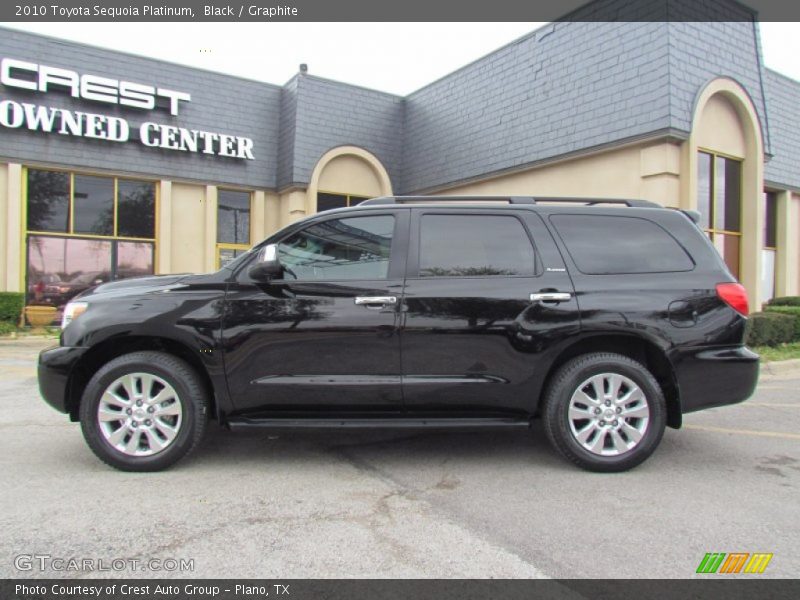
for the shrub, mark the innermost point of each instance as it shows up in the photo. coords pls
(792, 311)
(11, 304)
(785, 301)
(769, 329)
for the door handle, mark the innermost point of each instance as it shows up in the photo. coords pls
(551, 297)
(375, 301)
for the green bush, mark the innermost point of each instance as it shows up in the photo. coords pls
(792, 311)
(785, 301)
(11, 304)
(769, 329)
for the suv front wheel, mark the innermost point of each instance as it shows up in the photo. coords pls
(604, 412)
(143, 411)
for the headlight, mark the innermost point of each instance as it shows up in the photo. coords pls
(72, 311)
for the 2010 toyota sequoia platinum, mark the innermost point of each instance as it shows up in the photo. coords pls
(609, 319)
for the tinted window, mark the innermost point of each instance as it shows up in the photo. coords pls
(771, 221)
(354, 248)
(233, 217)
(93, 205)
(48, 201)
(474, 246)
(330, 201)
(602, 245)
(134, 259)
(136, 209)
(327, 201)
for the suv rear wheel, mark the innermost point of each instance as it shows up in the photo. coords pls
(143, 411)
(604, 412)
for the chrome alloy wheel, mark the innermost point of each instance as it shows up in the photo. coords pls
(140, 414)
(608, 414)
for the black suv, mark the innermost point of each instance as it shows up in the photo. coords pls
(608, 319)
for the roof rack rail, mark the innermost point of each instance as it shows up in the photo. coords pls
(632, 203)
(388, 200)
(413, 199)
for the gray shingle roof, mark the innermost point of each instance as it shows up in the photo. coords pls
(220, 103)
(563, 89)
(569, 87)
(700, 52)
(783, 97)
(330, 114)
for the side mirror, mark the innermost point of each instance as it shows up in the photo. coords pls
(267, 266)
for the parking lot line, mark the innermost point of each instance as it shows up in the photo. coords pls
(775, 404)
(777, 434)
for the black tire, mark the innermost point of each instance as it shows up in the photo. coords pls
(557, 424)
(191, 394)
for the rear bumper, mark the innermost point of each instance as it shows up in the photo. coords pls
(55, 366)
(709, 377)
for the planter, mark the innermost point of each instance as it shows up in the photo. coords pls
(40, 317)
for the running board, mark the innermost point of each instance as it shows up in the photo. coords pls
(377, 423)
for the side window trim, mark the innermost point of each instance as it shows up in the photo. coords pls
(415, 240)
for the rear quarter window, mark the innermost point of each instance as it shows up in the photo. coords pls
(608, 245)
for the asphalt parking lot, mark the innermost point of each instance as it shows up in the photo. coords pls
(388, 504)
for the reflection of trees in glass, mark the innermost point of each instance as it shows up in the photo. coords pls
(344, 248)
(93, 203)
(103, 224)
(464, 272)
(48, 200)
(136, 210)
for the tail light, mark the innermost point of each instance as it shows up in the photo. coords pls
(735, 296)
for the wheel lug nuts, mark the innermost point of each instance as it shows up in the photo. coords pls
(597, 411)
(150, 409)
(129, 412)
(148, 422)
(138, 403)
(608, 402)
(615, 423)
(602, 423)
(619, 410)
(135, 424)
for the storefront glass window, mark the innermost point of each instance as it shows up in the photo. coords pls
(48, 201)
(59, 268)
(79, 230)
(327, 201)
(233, 217)
(719, 200)
(93, 205)
(133, 259)
(233, 225)
(136, 209)
(770, 245)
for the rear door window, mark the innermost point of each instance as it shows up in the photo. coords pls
(606, 245)
(474, 246)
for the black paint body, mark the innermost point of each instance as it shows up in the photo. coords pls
(458, 347)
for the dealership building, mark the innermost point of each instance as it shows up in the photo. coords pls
(113, 165)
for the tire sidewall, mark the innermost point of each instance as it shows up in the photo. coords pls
(134, 363)
(654, 398)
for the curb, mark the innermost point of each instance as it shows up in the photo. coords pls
(781, 368)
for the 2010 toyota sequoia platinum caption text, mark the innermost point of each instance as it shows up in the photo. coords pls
(608, 319)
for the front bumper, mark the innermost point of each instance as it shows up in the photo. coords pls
(709, 377)
(55, 367)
